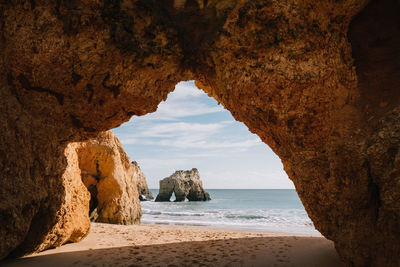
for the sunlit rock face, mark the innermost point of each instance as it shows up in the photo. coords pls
(71, 222)
(185, 185)
(109, 177)
(318, 82)
(140, 179)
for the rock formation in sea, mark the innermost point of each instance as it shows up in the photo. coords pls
(184, 184)
(140, 179)
(110, 178)
(317, 82)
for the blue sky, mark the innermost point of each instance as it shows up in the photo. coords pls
(190, 130)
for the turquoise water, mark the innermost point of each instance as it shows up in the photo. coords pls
(274, 210)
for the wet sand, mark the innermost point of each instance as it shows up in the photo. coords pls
(164, 245)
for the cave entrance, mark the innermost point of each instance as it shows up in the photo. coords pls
(191, 130)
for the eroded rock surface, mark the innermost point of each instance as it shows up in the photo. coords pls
(184, 184)
(71, 223)
(109, 176)
(140, 179)
(318, 82)
(74, 223)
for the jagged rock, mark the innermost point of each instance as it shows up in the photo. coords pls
(73, 225)
(140, 178)
(109, 176)
(318, 83)
(184, 184)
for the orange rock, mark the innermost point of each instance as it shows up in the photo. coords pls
(140, 178)
(109, 176)
(307, 77)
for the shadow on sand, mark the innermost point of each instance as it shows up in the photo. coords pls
(255, 251)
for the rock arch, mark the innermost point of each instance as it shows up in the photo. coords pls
(317, 82)
(184, 185)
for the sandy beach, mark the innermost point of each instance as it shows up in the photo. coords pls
(165, 245)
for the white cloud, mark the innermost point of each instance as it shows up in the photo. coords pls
(186, 100)
(152, 132)
(179, 109)
(186, 135)
(162, 163)
(184, 90)
(179, 129)
(199, 143)
(226, 153)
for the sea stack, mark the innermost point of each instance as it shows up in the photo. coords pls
(185, 184)
(140, 179)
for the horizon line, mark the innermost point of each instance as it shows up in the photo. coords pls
(240, 188)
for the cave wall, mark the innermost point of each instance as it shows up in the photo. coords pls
(317, 81)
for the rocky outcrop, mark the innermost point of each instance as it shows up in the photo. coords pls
(101, 167)
(71, 224)
(109, 176)
(75, 224)
(184, 184)
(140, 179)
(316, 82)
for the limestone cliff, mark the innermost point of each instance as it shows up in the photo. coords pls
(101, 167)
(140, 179)
(71, 224)
(109, 177)
(184, 184)
(316, 81)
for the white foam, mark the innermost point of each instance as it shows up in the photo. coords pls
(229, 213)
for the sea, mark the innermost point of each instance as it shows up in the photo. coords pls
(272, 210)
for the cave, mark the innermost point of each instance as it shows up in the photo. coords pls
(318, 83)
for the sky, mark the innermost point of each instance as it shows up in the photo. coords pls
(190, 130)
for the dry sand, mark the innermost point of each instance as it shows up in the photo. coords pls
(163, 245)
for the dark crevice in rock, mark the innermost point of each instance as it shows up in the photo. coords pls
(375, 196)
(78, 124)
(113, 88)
(392, 152)
(10, 82)
(98, 172)
(93, 198)
(128, 113)
(33, 4)
(75, 78)
(68, 13)
(26, 84)
(89, 88)
(112, 116)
